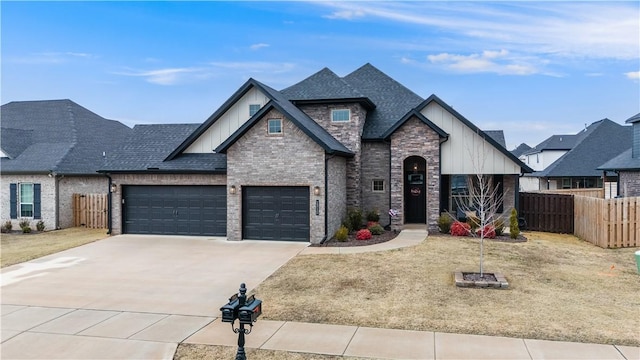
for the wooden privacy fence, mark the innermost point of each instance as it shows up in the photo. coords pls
(596, 193)
(547, 212)
(90, 210)
(608, 223)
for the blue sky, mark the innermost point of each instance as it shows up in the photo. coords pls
(532, 69)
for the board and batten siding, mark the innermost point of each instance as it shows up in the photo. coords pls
(463, 152)
(228, 123)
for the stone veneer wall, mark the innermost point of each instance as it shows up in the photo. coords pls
(259, 159)
(415, 138)
(47, 199)
(349, 134)
(509, 193)
(375, 166)
(336, 193)
(154, 179)
(629, 183)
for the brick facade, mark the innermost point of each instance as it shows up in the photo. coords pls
(629, 183)
(509, 193)
(69, 185)
(290, 159)
(349, 134)
(414, 138)
(47, 199)
(154, 179)
(336, 193)
(375, 166)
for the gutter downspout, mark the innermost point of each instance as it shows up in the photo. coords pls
(56, 181)
(326, 198)
(109, 202)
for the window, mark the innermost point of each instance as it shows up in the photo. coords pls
(26, 200)
(253, 109)
(377, 185)
(566, 183)
(342, 115)
(459, 191)
(275, 126)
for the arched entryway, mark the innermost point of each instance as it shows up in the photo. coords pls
(415, 191)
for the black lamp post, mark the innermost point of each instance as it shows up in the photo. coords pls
(246, 311)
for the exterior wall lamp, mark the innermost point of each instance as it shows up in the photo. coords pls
(114, 187)
(316, 191)
(233, 190)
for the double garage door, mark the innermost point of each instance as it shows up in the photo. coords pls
(268, 213)
(175, 210)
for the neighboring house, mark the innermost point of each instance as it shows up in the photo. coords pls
(286, 165)
(50, 150)
(572, 161)
(627, 164)
(521, 149)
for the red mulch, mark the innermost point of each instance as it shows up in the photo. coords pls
(351, 241)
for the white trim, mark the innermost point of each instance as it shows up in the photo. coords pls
(269, 127)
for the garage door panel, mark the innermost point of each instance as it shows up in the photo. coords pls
(175, 210)
(276, 213)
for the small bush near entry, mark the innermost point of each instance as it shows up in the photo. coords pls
(342, 234)
(40, 225)
(363, 234)
(499, 226)
(514, 230)
(444, 223)
(354, 219)
(489, 232)
(459, 228)
(376, 229)
(473, 221)
(7, 226)
(25, 225)
(373, 215)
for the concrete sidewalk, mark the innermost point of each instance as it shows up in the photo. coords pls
(61, 333)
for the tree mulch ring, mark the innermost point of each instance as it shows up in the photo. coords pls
(484, 281)
(352, 241)
(501, 238)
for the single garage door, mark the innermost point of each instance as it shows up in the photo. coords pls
(175, 210)
(275, 213)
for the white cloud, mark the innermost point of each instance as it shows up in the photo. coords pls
(168, 76)
(561, 29)
(499, 62)
(246, 67)
(50, 58)
(259, 46)
(633, 75)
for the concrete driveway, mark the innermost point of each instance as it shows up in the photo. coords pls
(128, 296)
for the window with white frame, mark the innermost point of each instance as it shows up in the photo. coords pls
(340, 115)
(253, 109)
(26, 200)
(377, 185)
(274, 126)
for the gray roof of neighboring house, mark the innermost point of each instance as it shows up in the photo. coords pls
(634, 119)
(555, 142)
(498, 136)
(147, 147)
(521, 149)
(624, 161)
(598, 143)
(56, 136)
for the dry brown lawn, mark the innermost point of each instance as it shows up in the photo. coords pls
(561, 288)
(208, 352)
(16, 248)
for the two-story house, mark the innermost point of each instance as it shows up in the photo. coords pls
(627, 164)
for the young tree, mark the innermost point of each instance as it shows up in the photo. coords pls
(484, 200)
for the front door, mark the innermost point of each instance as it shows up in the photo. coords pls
(415, 196)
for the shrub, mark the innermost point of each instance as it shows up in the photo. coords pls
(354, 219)
(373, 215)
(499, 226)
(444, 223)
(459, 228)
(473, 221)
(514, 230)
(363, 234)
(376, 229)
(40, 225)
(342, 234)
(24, 223)
(7, 226)
(488, 230)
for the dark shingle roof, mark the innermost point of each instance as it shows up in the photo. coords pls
(323, 85)
(392, 99)
(623, 161)
(56, 135)
(600, 142)
(521, 149)
(634, 119)
(497, 136)
(148, 145)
